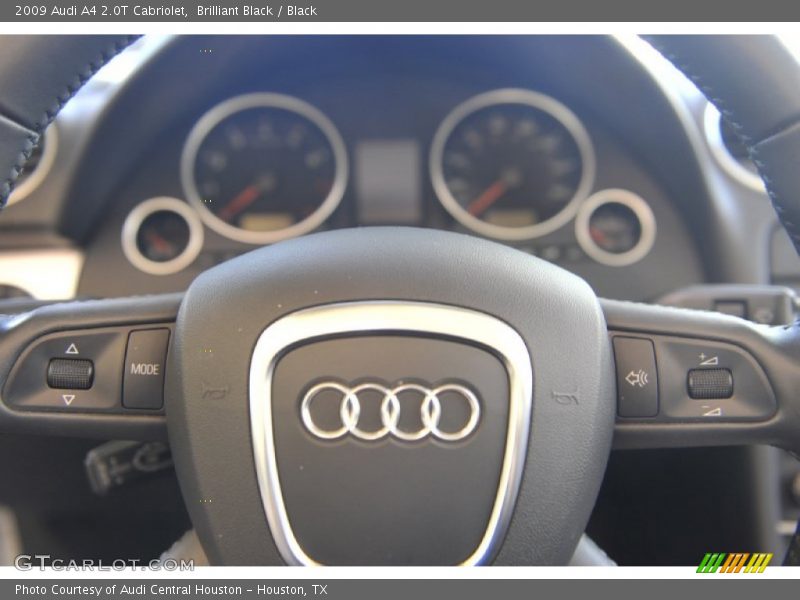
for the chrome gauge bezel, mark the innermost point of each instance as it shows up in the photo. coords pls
(541, 102)
(640, 208)
(229, 107)
(42, 170)
(134, 220)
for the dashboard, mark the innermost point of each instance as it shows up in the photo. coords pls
(509, 138)
(585, 151)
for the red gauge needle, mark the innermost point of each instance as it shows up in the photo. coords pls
(598, 235)
(242, 200)
(489, 196)
(159, 243)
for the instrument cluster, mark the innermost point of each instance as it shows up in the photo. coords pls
(508, 164)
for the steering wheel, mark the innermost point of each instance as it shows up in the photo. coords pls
(398, 395)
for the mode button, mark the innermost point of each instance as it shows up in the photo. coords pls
(145, 360)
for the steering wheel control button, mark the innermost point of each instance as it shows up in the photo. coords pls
(637, 377)
(145, 359)
(709, 384)
(698, 380)
(74, 371)
(70, 374)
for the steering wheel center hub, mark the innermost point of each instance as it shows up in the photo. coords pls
(389, 432)
(380, 404)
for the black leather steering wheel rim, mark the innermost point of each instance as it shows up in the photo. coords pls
(753, 81)
(40, 75)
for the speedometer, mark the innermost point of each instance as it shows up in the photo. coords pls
(264, 167)
(512, 164)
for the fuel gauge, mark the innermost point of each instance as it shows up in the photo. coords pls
(615, 227)
(162, 236)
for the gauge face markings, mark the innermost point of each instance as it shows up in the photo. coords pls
(264, 167)
(512, 164)
(615, 227)
(509, 167)
(162, 236)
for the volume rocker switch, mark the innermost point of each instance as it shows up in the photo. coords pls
(637, 377)
(709, 384)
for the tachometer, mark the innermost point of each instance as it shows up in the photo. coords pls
(264, 167)
(512, 164)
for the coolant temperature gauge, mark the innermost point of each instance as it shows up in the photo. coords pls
(615, 227)
(162, 236)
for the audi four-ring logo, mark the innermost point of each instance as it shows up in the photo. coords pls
(430, 411)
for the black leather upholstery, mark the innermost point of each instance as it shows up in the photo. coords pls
(38, 74)
(778, 161)
(754, 81)
(16, 144)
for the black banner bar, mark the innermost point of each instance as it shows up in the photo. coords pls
(740, 587)
(400, 10)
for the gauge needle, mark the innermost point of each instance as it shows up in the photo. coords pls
(489, 196)
(159, 243)
(242, 200)
(598, 235)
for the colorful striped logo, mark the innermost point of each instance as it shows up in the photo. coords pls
(735, 562)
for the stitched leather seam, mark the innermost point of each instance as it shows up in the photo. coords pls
(60, 100)
(786, 214)
(783, 211)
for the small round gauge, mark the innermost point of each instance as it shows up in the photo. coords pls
(729, 150)
(162, 236)
(615, 227)
(512, 164)
(37, 166)
(264, 167)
